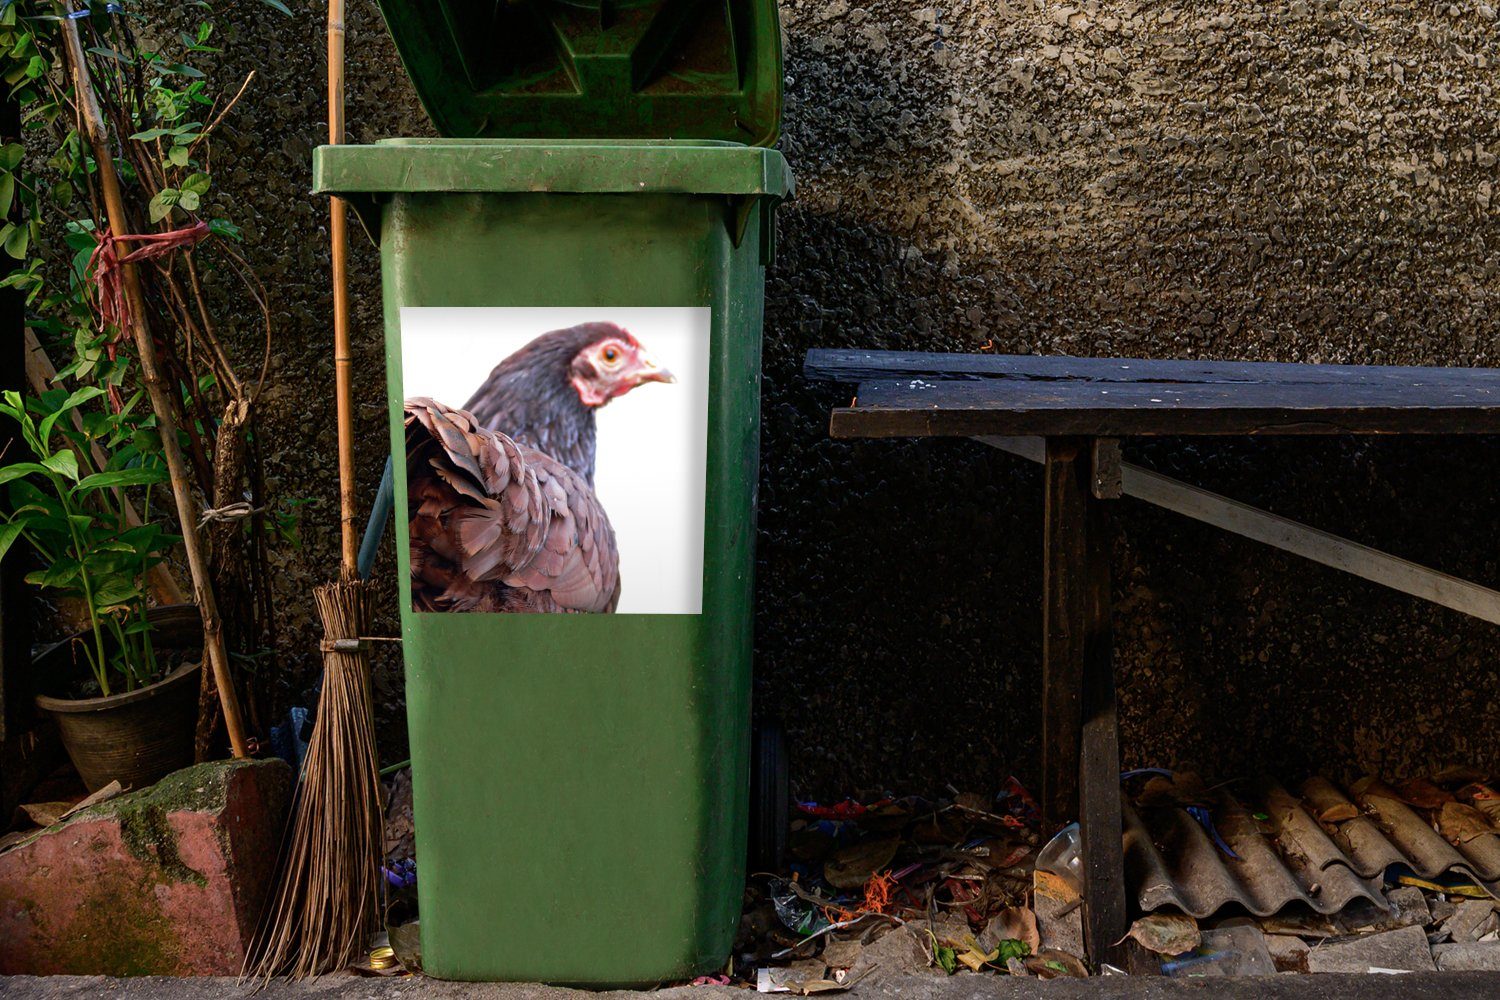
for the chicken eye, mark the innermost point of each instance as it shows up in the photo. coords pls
(611, 355)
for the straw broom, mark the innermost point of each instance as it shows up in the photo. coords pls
(327, 902)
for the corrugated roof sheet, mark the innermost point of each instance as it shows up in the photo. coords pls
(1324, 848)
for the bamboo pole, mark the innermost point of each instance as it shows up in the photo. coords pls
(161, 401)
(343, 360)
(328, 900)
(40, 372)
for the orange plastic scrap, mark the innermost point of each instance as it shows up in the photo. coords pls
(878, 892)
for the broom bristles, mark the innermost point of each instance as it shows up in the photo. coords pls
(327, 898)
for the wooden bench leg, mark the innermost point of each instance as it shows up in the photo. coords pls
(1064, 579)
(1100, 826)
(1080, 736)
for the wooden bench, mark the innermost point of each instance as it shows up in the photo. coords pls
(1069, 414)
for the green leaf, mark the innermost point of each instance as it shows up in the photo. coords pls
(121, 477)
(116, 592)
(20, 469)
(79, 235)
(161, 205)
(197, 183)
(64, 463)
(223, 227)
(188, 201)
(106, 52)
(9, 532)
(1011, 948)
(11, 155)
(7, 192)
(177, 156)
(76, 398)
(152, 133)
(37, 67)
(17, 240)
(277, 5)
(947, 958)
(59, 574)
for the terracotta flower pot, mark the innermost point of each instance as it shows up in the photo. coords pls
(136, 737)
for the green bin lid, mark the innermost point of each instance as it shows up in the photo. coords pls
(627, 69)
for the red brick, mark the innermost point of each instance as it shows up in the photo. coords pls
(166, 881)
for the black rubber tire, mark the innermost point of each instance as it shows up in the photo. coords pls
(770, 798)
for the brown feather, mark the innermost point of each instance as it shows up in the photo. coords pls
(500, 526)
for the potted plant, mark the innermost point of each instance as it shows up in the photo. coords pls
(124, 700)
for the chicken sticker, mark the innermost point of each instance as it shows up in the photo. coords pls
(570, 478)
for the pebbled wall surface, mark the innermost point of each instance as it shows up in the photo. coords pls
(1299, 181)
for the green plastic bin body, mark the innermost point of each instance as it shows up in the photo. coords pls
(580, 781)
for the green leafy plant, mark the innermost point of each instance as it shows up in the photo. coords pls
(152, 76)
(77, 521)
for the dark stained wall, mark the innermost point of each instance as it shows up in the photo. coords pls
(1302, 181)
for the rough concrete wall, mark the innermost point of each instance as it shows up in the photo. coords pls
(1301, 181)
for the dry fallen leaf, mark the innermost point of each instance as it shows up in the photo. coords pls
(1166, 933)
(45, 813)
(1484, 798)
(1017, 923)
(1052, 964)
(48, 813)
(973, 959)
(851, 867)
(1458, 774)
(104, 794)
(1338, 812)
(1460, 824)
(1423, 794)
(1371, 787)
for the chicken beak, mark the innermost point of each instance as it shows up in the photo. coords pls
(651, 370)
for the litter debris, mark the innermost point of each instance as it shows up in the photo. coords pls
(1237, 950)
(901, 885)
(1062, 856)
(1364, 881)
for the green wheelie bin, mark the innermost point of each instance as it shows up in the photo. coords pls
(573, 283)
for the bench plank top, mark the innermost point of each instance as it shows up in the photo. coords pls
(910, 394)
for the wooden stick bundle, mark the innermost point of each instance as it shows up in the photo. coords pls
(161, 402)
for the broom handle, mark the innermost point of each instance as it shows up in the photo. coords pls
(161, 403)
(343, 361)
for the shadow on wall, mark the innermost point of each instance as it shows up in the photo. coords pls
(1168, 182)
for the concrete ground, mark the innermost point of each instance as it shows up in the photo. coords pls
(1416, 986)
